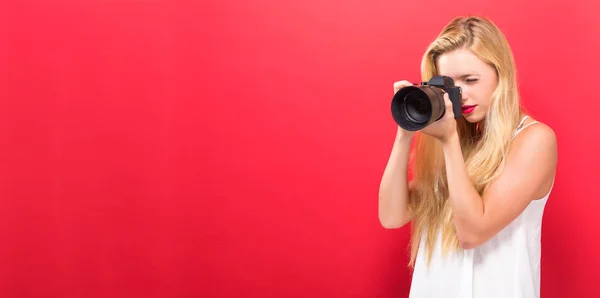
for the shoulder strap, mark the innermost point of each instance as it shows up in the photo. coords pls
(522, 121)
(521, 127)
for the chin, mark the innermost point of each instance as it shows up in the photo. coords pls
(473, 118)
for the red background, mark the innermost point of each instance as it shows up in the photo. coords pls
(170, 149)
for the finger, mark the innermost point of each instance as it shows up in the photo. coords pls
(448, 104)
(401, 84)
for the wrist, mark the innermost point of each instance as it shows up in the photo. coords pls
(404, 136)
(450, 140)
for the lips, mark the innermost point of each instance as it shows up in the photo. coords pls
(468, 109)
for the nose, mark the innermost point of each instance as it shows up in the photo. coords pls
(463, 92)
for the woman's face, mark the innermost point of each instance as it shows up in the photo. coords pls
(477, 79)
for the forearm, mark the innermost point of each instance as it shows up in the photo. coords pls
(467, 205)
(394, 190)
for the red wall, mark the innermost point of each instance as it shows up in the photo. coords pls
(169, 149)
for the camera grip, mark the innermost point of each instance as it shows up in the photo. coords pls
(456, 98)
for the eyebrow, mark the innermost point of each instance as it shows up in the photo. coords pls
(468, 75)
(462, 77)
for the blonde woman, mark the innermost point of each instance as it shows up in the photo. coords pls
(480, 181)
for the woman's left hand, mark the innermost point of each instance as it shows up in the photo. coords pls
(444, 128)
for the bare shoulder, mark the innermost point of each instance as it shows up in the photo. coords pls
(535, 136)
(533, 156)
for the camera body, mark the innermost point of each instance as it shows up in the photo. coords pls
(415, 107)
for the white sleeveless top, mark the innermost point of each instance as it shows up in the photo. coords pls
(506, 266)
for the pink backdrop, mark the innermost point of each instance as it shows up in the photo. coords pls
(171, 149)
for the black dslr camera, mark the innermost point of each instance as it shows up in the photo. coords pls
(415, 107)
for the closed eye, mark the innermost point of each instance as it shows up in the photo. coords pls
(471, 80)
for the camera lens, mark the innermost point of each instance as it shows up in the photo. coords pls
(415, 107)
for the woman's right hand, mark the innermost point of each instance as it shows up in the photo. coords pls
(402, 133)
(401, 84)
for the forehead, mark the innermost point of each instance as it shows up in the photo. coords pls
(459, 63)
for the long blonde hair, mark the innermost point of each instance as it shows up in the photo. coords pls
(484, 146)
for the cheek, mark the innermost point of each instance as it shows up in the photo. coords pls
(482, 94)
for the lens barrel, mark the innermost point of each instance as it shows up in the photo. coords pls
(415, 107)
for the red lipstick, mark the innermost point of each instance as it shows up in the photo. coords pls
(468, 109)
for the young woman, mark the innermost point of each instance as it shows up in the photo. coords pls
(480, 182)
